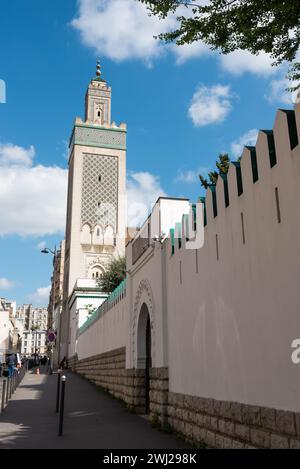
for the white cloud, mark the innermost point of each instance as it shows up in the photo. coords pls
(123, 29)
(190, 176)
(241, 61)
(15, 155)
(120, 29)
(190, 51)
(278, 92)
(41, 296)
(5, 284)
(248, 139)
(210, 105)
(32, 197)
(143, 189)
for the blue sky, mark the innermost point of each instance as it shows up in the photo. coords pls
(183, 106)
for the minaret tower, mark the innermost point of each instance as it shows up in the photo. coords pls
(95, 229)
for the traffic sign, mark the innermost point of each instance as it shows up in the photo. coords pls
(51, 337)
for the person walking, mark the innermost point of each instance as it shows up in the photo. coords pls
(11, 363)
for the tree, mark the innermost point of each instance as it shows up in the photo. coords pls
(272, 26)
(114, 275)
(222, 165)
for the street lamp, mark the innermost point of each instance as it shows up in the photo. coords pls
(50, 251)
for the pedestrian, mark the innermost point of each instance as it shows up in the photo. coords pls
(11, 363)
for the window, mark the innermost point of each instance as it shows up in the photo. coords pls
(25, 343)
(99, 114)
(98, 232)
(99, 178)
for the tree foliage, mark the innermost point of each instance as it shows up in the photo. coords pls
(272, 26)
(114, 275)
(222, 165)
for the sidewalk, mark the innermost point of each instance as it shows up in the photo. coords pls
(93, 419)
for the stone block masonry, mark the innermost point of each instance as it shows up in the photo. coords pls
(222, 424)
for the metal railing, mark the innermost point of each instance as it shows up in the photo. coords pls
(10, 384)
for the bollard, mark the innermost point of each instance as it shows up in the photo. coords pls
(10, 386)
(14, 381)
(3, 395)
(7, 389)
(58, 390)
(62, 404)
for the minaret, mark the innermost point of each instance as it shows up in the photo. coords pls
(95, 228)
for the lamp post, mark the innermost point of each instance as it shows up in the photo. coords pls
(50, 251)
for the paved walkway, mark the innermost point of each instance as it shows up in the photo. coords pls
(93, 419)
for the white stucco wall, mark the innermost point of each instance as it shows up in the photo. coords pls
(109, 332)
(231, 325)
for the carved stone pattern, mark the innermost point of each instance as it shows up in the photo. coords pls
(144, 286)
(105, 192)
(100, 259)
(94, 92)
(99, 136)
(103, 103)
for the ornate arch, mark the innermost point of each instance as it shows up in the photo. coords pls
(143, 295)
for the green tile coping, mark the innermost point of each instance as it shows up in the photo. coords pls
(98, 127)
(172, 238)
(107, 304)
(178, 228)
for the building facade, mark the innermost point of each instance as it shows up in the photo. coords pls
(34, 341)
(95, 226)
(32, 323)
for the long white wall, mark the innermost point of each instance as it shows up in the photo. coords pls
(109, 332)
(232, 320)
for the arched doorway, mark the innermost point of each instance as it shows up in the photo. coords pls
(144, 352)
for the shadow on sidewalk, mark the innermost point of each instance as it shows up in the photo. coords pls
(93, 419)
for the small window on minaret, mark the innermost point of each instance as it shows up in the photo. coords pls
(99, 114)
(98, 232)
(99, 203)
(99, 178)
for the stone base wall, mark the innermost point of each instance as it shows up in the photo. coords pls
(159, 387)
(223, 424)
